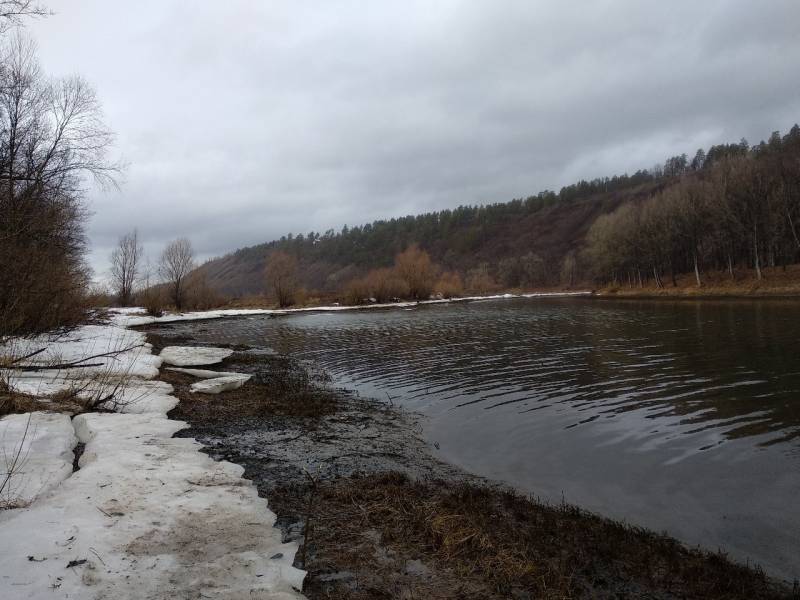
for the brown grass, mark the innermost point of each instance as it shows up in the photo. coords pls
(483, 542)
(12, 402)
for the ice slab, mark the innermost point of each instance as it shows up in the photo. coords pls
(201, 373)
(187, 356)
(218, 385)
(35, 455)
(146, 516)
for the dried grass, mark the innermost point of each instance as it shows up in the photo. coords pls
(491, 543)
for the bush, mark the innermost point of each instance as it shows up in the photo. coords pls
(152, 299)
(385, 285)
(414, 266)
(449, 285)
(200, 295)
(357, 292)
(480, 281)
(281, 277)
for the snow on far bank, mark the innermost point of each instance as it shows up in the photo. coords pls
(35, 454)
(132, 317)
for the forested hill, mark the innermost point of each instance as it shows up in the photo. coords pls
(549, 225)
(527, 242)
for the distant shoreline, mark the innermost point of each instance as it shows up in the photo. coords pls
(745, 291)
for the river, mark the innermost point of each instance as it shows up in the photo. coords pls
(681, 416)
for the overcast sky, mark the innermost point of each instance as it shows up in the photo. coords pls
(242, 121)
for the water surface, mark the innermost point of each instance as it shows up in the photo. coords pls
(681, 416)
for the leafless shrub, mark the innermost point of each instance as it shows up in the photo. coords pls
(200, 295)
(281, 277)
(357, 292)
(416, 268)
(449, 285)
(480, 281)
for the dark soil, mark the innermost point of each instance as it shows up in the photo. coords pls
(376, 516)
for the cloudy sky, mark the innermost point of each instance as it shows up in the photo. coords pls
(244, 120)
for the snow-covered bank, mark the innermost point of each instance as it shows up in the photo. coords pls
(133, 317)
(146, 515)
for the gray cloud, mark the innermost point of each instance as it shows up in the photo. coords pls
(243, 121)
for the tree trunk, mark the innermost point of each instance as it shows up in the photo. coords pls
(730, 268)
(755, 251)
(659, 285)
(696, 269)
(794, 231)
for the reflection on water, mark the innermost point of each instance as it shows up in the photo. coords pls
(679, 415)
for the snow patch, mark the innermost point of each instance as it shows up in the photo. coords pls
(201, 373)
(217, 385)
(146, 516)
(92, 352)
(186, 356)
(36, 454)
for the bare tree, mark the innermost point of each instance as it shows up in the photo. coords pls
(52, 137)
(281, 277)
(175, 264)
(13, 11)
(125, 265)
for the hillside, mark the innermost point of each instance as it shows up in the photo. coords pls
(456, 239)
(731, 206)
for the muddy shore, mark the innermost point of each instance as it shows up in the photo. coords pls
(377, 516)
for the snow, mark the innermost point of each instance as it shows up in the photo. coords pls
(152, 518)
(201, 373)
(36, 450)
(217, 385)
(186, 356)
(147, 515)
(129, 353)
(137, 317)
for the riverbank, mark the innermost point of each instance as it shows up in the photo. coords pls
(775, 282)
(136, 317)
(389, 520)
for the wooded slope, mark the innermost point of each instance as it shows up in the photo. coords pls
(547, 240)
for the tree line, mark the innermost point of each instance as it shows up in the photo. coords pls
(731, 207)
(726, 207)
